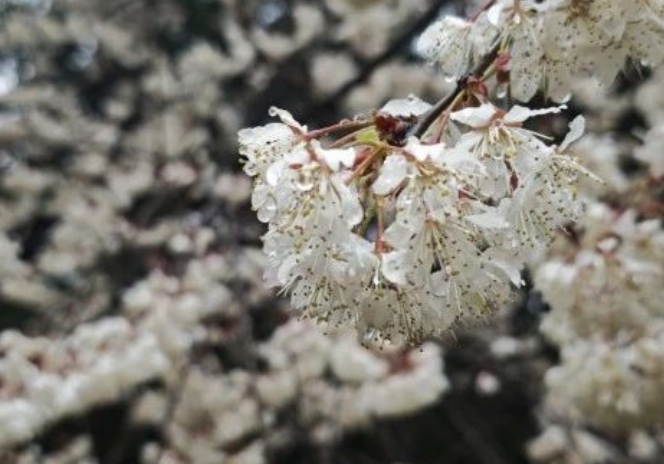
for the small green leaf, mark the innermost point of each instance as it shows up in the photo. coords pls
(368, 136)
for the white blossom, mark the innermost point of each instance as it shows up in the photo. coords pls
(444, 236)
(408, 107)
(651, 151)
(447, 43)
(550, 44)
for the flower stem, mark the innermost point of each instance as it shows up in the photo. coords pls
(343, 125)
(380, 246)
(348, 138)
(369, 215)
(359, 170)
(446, 115)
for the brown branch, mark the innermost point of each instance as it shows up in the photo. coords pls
(432, 115)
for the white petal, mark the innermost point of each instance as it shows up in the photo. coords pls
(393, 172)
(475, 117)
(521, 113)
(576, 129)
(510, 265)
(338, 157)
(461, 159)
(399, 233)
(351, 207)
(488, 220)
(394, 267)
(363, 260)
(297, 157)
(263, 145)
(286, 118)
(264, 203)
(442, 37)
(275, 172)
(422, 152)
(526, 71)
(411, 106)
(428, 44)
(286, 269)
(493, 15)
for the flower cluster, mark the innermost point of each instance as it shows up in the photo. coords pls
(404, 238)
(547, 45)
(605, 291)
(419, 217)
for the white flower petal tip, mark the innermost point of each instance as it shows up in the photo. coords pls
(393, 172)
(435, 38)
(488, 221)
(576, 129)
(411, 106)
(493, 14)
(393, 267)
(286, 118)
(521, 113)
(475, 117)
(336, 159)
(422, 152)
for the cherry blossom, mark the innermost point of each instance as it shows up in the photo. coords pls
(418, 218)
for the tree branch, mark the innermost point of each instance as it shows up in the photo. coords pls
(430, 117)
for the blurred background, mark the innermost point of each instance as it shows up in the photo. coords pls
(135, 326)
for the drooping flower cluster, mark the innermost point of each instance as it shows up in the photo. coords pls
(419, 217)
(406, 238)
(547, 45)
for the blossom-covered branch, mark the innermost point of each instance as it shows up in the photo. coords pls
(419, 220)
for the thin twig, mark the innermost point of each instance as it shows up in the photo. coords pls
(343, 125)
(446, 116)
